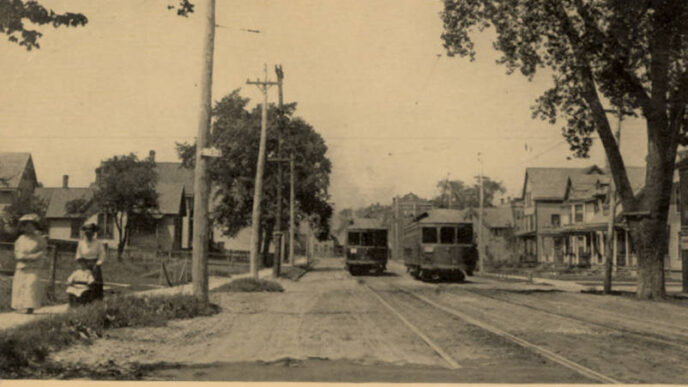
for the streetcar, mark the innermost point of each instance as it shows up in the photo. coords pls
(439, 245)
(366, 246)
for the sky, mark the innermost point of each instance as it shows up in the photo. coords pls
(371, 76)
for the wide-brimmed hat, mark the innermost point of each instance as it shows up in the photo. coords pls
(33, 218)
(90, 227)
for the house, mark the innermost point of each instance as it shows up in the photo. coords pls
(17, 174)
(544, 191)
(163, 233)
(171, 173)
(497, 233)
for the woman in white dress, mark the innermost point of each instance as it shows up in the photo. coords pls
(29, 251)
(93, 251)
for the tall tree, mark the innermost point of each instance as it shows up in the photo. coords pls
(15, 13)
(456, 194)
(125, 189)
(236, 132)
(632, 53)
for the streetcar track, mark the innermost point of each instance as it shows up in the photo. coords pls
(662, 339)
(582, 370)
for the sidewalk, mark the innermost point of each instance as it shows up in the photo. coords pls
(13, 319)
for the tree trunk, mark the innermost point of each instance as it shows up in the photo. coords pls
(649, 241)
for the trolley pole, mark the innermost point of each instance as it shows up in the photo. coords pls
(609, 247)
(201, 182)
(481, 247)
(258, 191)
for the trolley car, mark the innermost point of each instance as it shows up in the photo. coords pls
(366, 246)
(439, 244)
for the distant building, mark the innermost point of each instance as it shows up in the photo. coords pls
(498, 232)
(404, 209)
(17, 173)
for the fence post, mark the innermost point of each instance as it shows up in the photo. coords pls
(53, 274)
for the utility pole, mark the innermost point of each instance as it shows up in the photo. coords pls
(291, 209)
(609, 248)
(201, 183)
(481, 247)
(277, 261)
(258, 191)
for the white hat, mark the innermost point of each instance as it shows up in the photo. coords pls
(30, 218)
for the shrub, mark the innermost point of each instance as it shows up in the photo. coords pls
(250, 285)
(24, 349)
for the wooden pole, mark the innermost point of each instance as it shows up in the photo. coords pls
(481, 247)
(277, 260)
(258, 189)
(53, 274)
(199, 271)
(291, 209)
(611, 239)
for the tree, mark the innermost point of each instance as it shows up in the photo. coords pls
(631, 53)
(376, 211)
(456, 194)
(125, 189)
(24, 201)
(236, 132)
(14, 14)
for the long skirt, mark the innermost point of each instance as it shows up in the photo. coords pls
(98, 277)
(27, 289)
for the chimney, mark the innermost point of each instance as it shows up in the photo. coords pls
(98, 174)
(65, 181)
(151, 155)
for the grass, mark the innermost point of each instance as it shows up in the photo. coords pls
(24, 350)
(250, 285)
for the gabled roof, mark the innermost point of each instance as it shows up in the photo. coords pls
(12, 167)
(57, 199)
(550, 183)
(444, 215)
(170, 197)
(498, 217)
(174, 173)
(365, 223)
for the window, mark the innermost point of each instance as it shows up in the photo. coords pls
(464, 234)
(556, 220)
(578, 213)
(429, 235)
(380, 238)
(105, 222)
(354, 239)
(75, 227)
(447, 235)
(367, 238)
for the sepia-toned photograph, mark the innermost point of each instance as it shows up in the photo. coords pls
(344, 191)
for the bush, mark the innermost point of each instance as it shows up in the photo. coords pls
(250, 285)
(24, 349)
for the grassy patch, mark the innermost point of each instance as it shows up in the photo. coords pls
(24, 349)
(250, 285)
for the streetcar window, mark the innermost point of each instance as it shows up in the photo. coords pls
(464, 233)
(429, 235)
(380, 238)
(354, 239)
(367, 238)
(447, 235)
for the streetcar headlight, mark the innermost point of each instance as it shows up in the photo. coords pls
(353, 251)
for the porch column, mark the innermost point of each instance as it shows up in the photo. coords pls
(628, 252)
(615, 248)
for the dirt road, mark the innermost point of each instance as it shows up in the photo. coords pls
(330, 327)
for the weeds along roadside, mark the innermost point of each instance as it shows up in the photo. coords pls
(24, 349)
